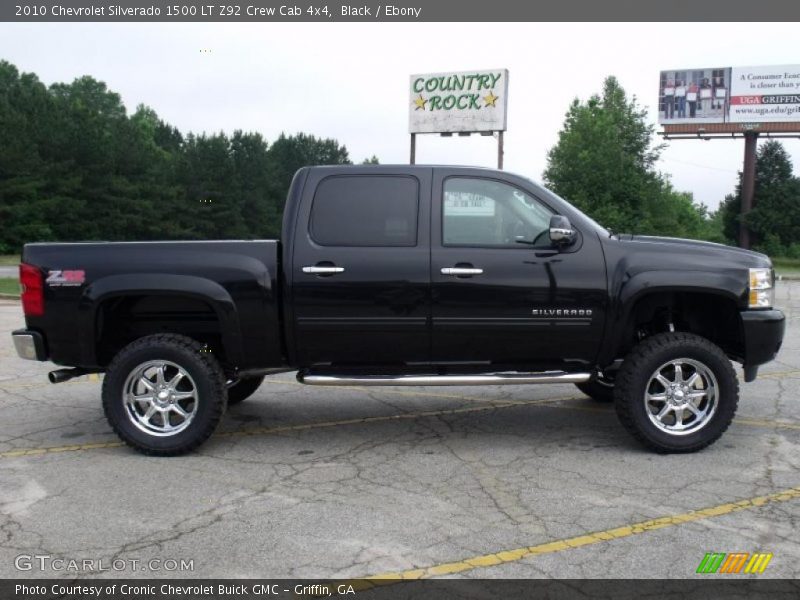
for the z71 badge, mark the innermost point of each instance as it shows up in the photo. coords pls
(65, 278)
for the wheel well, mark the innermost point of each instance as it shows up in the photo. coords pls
(709, 315)
(122, 320)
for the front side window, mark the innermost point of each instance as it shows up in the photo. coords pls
(484, 212)
(365, 210)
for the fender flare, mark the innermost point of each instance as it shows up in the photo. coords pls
(631, 289)
(159, 284)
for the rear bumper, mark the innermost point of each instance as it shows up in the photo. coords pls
(29, 344)
(763, 335)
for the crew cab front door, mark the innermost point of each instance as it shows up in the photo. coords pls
(501, 292)
(361, 268)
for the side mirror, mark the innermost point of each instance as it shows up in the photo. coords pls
(561, 231)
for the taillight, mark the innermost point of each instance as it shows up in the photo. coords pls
(32, 290)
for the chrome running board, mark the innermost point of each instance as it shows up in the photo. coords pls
(506, 378)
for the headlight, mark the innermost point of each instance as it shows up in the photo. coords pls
(762, 292)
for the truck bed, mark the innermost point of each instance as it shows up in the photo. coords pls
(231, 283)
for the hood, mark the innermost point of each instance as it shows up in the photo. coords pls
(699, 249)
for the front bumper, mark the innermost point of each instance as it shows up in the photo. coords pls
(29, 344)
(763, 335)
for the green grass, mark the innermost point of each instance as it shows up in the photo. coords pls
(9, 285)
(9, 260)
(788, 263)
(786, 266)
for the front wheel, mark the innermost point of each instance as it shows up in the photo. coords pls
(676, 392)
(163, 395)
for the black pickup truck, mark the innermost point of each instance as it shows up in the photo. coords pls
(406, 275)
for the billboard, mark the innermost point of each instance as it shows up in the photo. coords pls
(761, 94)
(729, 95)
(464, 101)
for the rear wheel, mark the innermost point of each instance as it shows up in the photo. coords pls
(676, 392)
(241, 389)
(163, 395)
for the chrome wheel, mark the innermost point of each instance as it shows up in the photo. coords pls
(681, 396)
(160, 398)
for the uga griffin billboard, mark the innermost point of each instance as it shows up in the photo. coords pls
(465, 101)
(730, 95)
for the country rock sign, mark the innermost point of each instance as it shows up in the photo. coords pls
(458, 102)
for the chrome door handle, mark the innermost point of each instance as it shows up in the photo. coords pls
(323, 270)
(456, 271)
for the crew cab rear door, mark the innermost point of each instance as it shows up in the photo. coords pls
(361, 267)
(496, 300)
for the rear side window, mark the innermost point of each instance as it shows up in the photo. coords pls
(365, 210)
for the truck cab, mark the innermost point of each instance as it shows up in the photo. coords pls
(453, 266)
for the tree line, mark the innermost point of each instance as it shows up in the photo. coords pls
(74, 165)
(775, 217)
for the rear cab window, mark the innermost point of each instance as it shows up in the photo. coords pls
(365, 210)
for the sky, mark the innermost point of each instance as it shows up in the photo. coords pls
(349, 81)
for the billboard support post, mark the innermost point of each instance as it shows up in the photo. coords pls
(500, 150)
(413, 157)
(748, 185)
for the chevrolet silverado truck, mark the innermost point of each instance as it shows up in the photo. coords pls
(406, 276)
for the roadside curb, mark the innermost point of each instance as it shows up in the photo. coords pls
(9, 297)
(788, 277)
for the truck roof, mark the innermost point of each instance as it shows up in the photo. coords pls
(407, 167)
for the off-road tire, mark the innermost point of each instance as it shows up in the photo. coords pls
(242, 389)
(634, 376)
(205, 372)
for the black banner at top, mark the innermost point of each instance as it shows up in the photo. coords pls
(332, 11)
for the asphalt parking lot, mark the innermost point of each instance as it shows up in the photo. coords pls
(487, 482)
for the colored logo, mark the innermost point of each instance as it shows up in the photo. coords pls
(65, 278)
(734, 562)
